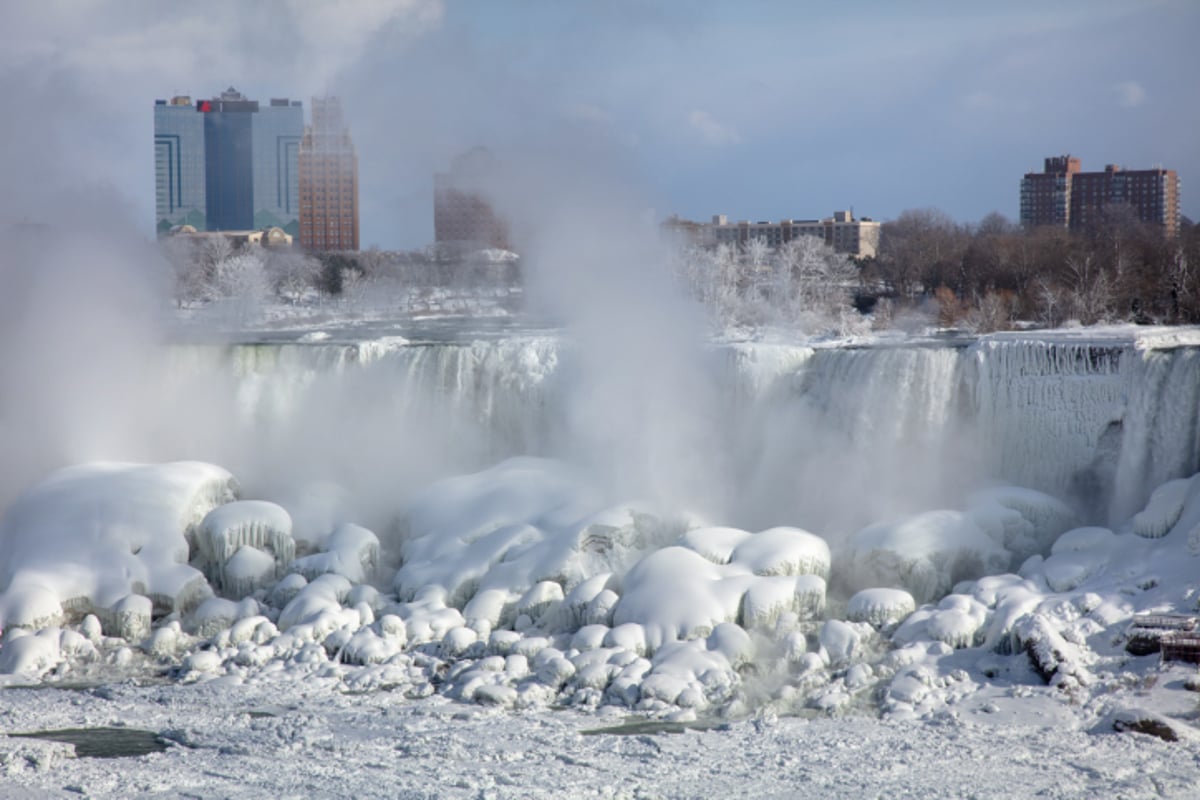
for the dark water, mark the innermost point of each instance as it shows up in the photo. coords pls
(104, 742)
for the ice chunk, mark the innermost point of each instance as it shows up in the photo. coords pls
(254, 523)
(589, 637)
(732, 642)
(880, 608)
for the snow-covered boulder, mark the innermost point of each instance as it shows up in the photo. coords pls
(880, 608)
(1044, 518)
(90, 535)
(259, 524)
(1164, 507)
(351, 551)
(926, 554)
(784, 551)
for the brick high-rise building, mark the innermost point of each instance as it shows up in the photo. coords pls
(328, 181)
(463, 217)
(1065, 196)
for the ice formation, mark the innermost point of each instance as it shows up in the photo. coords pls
(263, 527)
(90, 537)
(525, 585)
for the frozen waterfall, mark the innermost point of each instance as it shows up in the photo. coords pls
(831, 434)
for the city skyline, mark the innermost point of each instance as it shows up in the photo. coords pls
(766, 111)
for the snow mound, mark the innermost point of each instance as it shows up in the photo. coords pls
(351, 551)
(1042, 518)
(925, 555)
(90, 535)
(784, 551)
(880, 608)
(497, 534)
(676, 593)
(1076, 556)
(1164, 508)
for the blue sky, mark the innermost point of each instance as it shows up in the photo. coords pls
(757, 110)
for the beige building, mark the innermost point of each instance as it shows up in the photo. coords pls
(858, 238)
(267, 237)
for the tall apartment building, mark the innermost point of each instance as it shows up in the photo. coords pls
(463, 216)
(227, 163)
(328, 181)
(858, 238)
(1065, 196)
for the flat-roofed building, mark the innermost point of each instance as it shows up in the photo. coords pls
(463, 216)
(227, 163)
(328, 181)
(1063, 195)
(858, 238)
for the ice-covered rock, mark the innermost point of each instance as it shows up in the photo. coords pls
(523, 522)
(539, 599)
(1076, 556)
(784, 551)
(675, 593)
(90, 535)
(258, 524)
(926, 554)
(769, 597)
(1045, 517)
(716, 544)
(880, 608)
(128, 618)
(958, 621)
(350, 550)
(326, 593)
(1164, 508)
(247, 571)
(840, 641)
(215, 615)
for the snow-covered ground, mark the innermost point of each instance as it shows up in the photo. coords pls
(471, 641)
(278, 739)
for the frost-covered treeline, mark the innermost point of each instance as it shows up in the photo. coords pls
(803, 284)
(212, 273)
(993, 274)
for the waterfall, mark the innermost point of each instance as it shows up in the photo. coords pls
(819, 435)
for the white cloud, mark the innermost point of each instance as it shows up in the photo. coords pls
(1130, 94)
(302, 44)
(712, 131)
